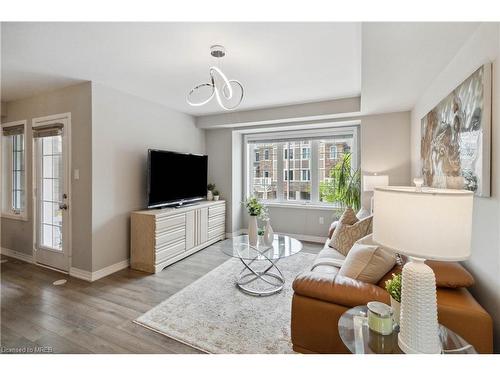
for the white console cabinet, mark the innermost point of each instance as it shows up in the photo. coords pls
(162, 237)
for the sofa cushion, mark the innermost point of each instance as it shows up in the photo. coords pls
(451, 274)
(448, 274)
(367, 261)
(346, 234)
(328, 257)
(362, 213)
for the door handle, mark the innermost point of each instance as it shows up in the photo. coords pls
(63, 206)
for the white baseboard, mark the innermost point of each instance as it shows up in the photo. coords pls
(234, 234)
(80, 274)
(301, 237)
(75, 272)
(99, 274)
(17, 255)
(307, 238)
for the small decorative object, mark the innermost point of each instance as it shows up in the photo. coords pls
(379, 317)
(210, 195)
(255, 209)
(456, 137)
(422, 223)
(393, 287)
(268, 233)
(216, 195)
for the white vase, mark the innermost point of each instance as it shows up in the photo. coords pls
(210, 195)
(216, 197)
(396, 307)
(268, 234)
(252, 231)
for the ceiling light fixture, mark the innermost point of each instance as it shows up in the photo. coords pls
(223, 89)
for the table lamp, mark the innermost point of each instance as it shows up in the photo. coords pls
(422, 223)
(370, 182)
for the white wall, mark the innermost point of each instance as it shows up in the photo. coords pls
(385, 148)
(123, 128)
(219, 150)
(329, 109)
(385, 141)
(482, 47)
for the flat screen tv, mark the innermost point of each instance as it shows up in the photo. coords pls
(175, 178)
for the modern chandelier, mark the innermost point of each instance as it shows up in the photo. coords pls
(222, 89)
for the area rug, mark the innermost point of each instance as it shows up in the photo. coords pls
(214, 316)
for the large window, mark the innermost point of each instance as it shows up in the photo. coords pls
(14, 170)
(300, 167)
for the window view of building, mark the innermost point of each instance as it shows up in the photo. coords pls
(292, 171)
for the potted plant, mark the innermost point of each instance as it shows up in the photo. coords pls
(210, 189)
(393, 286)
(216, 195)
(255, 209)
(260, 233)
(344, 185)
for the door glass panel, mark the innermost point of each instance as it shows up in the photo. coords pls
(51, 196)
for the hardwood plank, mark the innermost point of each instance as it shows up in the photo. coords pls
(83, 317)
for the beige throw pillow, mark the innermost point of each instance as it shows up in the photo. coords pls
(367, 261)
(349, 230)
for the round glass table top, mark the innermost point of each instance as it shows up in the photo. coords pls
(359, 339)
(239, 247)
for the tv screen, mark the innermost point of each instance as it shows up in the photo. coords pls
(174, 177)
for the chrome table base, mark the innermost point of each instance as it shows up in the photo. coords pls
(250, 278)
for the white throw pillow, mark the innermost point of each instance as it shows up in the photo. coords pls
(367, 261)
(362, 213)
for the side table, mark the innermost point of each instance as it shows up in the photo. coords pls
(359, 339)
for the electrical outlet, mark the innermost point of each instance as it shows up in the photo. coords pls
(321, 220)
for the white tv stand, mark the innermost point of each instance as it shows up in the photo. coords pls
(162, 237)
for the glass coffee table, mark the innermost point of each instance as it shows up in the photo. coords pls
(260, 275)
(359, 339)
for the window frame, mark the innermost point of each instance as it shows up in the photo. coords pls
(308, 175)
(266, 154)
(7, 210)
(334, 155)
(293, 135)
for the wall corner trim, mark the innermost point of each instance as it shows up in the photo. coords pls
(99, 274)
(17, 255)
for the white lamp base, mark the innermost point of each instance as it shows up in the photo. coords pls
(419, 330)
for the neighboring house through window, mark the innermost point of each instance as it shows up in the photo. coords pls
(334, 153)
(308, 177)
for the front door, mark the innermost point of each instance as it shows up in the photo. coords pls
(51, 171)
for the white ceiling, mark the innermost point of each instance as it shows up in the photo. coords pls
(400, 60)
(278, 63)
(389, 64)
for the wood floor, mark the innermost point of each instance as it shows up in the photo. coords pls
(83, 317)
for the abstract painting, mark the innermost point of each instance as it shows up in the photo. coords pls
(456, 137)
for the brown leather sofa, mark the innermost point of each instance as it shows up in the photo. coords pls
(321, 297)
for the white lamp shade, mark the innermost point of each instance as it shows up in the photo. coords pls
(370, 182)
(429, 224)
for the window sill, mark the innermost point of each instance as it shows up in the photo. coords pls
(306, 206)
(8, 215)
